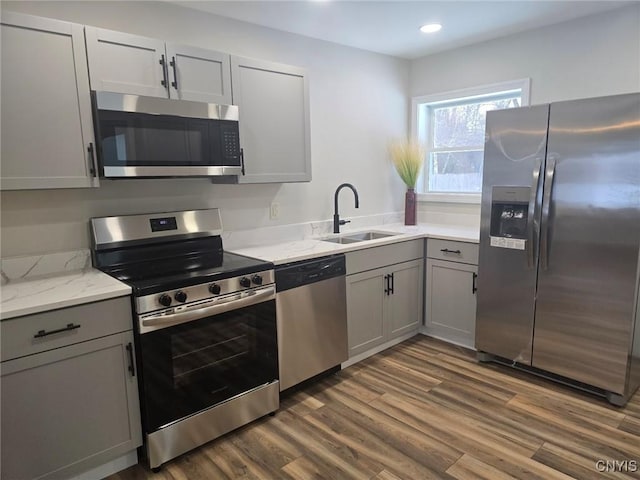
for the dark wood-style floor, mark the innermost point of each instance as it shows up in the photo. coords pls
(423, 409)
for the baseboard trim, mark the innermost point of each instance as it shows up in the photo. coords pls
(378, 349)
(114, 466)
(423, 331)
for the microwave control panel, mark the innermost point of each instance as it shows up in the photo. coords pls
(230, 140)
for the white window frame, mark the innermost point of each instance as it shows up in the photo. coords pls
(420, 128)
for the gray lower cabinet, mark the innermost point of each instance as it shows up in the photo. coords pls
(47, 130)
(383, 303)
(273, 100)
(450, 286)
(72, 406)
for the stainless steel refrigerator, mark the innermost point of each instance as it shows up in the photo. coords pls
(560, 242)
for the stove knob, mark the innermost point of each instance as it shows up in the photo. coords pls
(245, 282)
(164, 299)
(214, 288)
(257, 279)
(180, 296)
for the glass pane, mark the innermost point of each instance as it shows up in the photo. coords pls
(463, 125)
(459, 172)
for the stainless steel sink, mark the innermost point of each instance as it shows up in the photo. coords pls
(364, 236)
(338, 240)
(359, 237)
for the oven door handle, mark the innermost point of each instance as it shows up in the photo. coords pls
(163, 321)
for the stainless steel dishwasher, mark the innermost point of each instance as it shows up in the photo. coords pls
(311, 311)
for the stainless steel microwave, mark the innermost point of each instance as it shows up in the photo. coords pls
(138, 136)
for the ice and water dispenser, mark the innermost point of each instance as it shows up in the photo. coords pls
(509, 215)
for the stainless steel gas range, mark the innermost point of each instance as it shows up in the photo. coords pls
(205, 323)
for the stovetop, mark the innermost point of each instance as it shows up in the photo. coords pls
(173, 264)
(153, 277)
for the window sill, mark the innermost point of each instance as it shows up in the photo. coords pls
(473, 198)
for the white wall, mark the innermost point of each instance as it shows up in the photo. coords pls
(588, 57)
(359, 100)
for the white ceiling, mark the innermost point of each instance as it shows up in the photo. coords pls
(391, 27)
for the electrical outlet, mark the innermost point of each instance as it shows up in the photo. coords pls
(274, 211)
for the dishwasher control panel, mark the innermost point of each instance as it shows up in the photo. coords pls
(305, 272)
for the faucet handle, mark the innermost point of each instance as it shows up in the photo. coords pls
(342, 222)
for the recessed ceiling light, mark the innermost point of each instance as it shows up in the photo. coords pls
(430, 28)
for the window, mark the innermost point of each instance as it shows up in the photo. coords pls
(451, 126)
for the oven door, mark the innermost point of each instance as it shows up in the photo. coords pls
(198, 358)
(155, 137)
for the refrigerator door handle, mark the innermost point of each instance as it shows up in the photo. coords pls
(535, 187)
(546, 207)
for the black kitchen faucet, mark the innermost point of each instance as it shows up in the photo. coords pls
(336, 217)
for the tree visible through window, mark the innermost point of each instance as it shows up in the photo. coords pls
(453, 132)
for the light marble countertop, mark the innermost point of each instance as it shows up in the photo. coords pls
(41, 283)
(57, 290)
(285, 252)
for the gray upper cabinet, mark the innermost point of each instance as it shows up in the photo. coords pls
(199, 75)
(120, 62)
(273, 100)
(47, 129)
(125, 63)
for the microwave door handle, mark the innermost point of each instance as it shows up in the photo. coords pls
(531, 214)
(546, 209)
(233, 303)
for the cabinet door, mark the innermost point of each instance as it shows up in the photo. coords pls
(69, 410)
(366, 302)
(450, 301)
(199, 75)
(46, 108)
(273, 100)
(124, 63)
(405, 303)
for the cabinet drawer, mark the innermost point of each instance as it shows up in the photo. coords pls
(92, 319)
(377, 257)
(453, 251)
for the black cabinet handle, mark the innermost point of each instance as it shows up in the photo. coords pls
(163, 82)
(174, 84)
(446, 250)
(242, 161)
(474, 288)
(386, 284)
(93, 167)
(132, 368)
(392, 279)
(44, 333)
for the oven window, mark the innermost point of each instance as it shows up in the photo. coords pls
(193, 366)
(211, 350)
